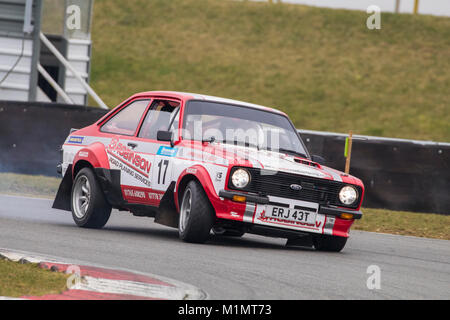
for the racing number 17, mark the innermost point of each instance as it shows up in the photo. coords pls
(160, 165)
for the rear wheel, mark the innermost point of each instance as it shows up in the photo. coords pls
(324, 242)
(89, 206)
(196, 214)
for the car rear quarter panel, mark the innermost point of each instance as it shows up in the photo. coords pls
(94, 154)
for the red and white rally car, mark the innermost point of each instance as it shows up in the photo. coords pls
(202, 163)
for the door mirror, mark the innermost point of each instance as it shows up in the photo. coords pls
(318, 159)
(162, 135)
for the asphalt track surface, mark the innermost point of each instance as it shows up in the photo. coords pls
(252, 267)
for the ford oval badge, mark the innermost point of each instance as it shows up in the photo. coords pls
(296, 187)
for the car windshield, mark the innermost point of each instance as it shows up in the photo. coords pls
(240, 125)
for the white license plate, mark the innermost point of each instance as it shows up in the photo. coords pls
(290, 214)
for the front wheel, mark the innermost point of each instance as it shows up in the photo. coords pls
(89, 206)
(324, 242)
(196, 214)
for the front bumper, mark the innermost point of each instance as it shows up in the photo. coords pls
(326, 210)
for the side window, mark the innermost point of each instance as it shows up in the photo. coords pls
(159, 117)
(126, 121)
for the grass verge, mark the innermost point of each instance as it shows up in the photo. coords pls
(321, 66)
(28, 185)
(376, 220)
(17, 280)
(426, 225)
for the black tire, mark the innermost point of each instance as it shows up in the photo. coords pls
(228, 232)
(329, 243)
(97, 210)
(196, 225)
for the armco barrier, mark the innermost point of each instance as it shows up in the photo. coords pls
(31, 134)
(398, 174)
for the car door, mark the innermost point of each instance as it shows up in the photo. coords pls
(126, 153)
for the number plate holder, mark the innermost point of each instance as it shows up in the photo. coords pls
(297, 211)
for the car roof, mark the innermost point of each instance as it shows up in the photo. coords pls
(196, 96)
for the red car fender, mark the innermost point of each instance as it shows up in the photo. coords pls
(94, 154)
(341, 227)
(202, 175)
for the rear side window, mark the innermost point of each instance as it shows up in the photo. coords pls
(127, 120)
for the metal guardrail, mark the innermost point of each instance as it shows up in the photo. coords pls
(399, 174)
(54, 84)
(374, 138)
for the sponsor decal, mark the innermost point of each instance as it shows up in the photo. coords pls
(134, 193)
(266, 219)
(167, 151)
(83, 154)
(219, 176)
(141, 195)
(76, 140)
(155, 196)
(129, 157)
(124, 168)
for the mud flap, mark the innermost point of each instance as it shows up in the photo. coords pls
(167, 214)
(62, 199)
(110, 184)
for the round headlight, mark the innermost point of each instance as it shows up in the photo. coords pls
(348, 195)
(240, 178)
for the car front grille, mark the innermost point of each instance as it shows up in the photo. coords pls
(278, 184)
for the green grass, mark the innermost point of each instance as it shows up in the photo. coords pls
(375, 220)
(17, 280)
(321, 66)
(426, 225)
(28, 185)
